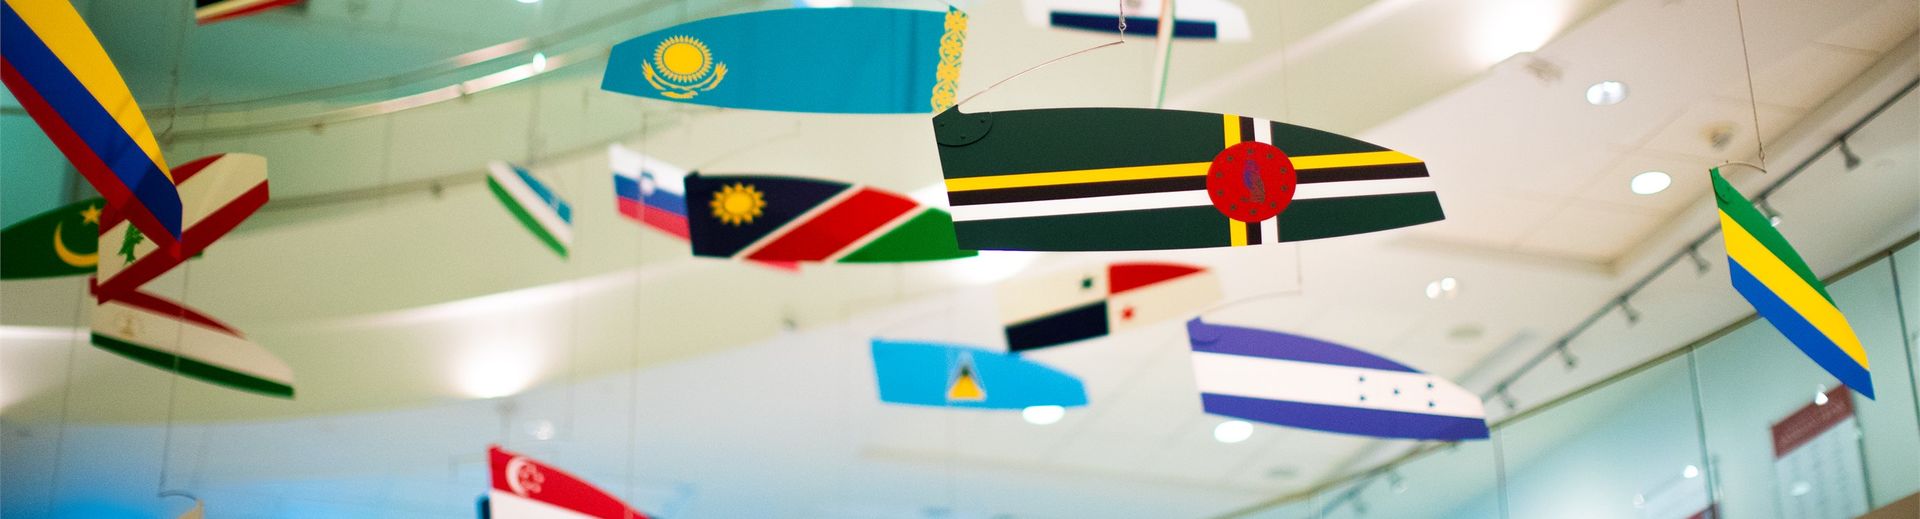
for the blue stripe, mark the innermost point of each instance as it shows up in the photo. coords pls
(626, 187)
(1250, 342)
(553, 201)
(666, 200)
(83, 113)
(1140, 25)
(1799, 331)
(1346, 420)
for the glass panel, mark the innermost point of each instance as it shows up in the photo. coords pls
(1906, 266)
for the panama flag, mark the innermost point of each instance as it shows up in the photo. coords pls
(1296, 381)
(1070, 306)
(649, 191)
(53, 64)
(1772, 277)
(219, 192)
(780, 218)
(527, 489)
(941, 375)
(536, 206)
(1197, 19)
(209, 11)
(166, 335)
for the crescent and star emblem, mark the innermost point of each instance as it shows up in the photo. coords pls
(67, 255)
(524, 478)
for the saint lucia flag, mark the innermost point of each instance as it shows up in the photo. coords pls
(1055, 309)
(524, 488)
(1197, 19)
(1297, 381)
(537, 207)
(776, 218)
(1771, 276)
(219, 192)
(940, 375)
(166, 335)
(53, 64)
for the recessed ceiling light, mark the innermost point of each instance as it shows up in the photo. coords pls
(1690, 472)
(1443, 288)
(1043, 414)
(529, 1)
(1650, 182)
(1232, 431)
(1606, 93)
(1820, 395)
(539, 62)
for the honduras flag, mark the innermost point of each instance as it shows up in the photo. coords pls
(939, 375)
(1297, 381)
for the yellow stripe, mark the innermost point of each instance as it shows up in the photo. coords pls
(1348, 160)
(1191, 169)
(1238, 231)
(1790, 287)
(60, 27)
(1232, 130)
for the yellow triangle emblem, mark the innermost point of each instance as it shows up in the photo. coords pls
(965, 386)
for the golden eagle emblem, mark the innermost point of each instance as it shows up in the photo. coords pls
(682, 67)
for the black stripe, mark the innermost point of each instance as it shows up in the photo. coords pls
(1070, 191)
(1084, 322)
(1253, 232)
(1380, 172)
(1246, 129)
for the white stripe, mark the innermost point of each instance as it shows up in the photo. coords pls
(771, 237)
(1262, 130)
(629, 163)
(1174, 298)
(1029, 297)
(529, 201)
(166, 333)
(876, 233)
(507, 505)
(1270, 231)
(1098, 204)
(1327, 384)
(1362, 188)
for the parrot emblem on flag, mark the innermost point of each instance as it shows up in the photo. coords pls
(1238, 181)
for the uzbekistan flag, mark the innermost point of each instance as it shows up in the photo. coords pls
(1198, 19)
(166, 335)
(649, 191)
(219, 191)
(777, 218)
(1296, 381)
(1772, 277)
(1072, 306)
(527, 489)
(531, 202)
(1086, 179)
(941, 375)
(53, 64)
(209, 11)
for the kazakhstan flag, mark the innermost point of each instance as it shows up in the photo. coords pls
(844, 60)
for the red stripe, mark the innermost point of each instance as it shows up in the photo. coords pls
(195, 240)
(836, 228)
(162, 306)
(83, 158)
(1122, 277)
(185, 171)
(246, 11)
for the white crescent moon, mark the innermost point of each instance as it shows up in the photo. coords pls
(514, 467)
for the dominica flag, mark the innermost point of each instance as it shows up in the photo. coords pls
(1195, 19)
(945, 375)
(1085, 179)
(1783, 290)
(54, 66)
(524, 488)
(1296, 381)
(209, 11)
(60, 242)
(219, 192)
(532, 203)
(779, 218)
(1064, 307)
(165, 334)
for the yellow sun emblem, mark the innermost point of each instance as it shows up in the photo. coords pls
(737, 204)
(682, 67)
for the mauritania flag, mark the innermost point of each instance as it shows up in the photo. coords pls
(779, 218)
(524, 488)
(53, 64)
(1772, 277)
(531, 202)
(649, 191)
(61, 242)
(166, 335)
(1084, 179)
(942, 375)
(219, 192)
(1296, 381)
(1059, 308)
(1197, 19)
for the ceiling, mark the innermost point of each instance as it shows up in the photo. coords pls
(399, 292)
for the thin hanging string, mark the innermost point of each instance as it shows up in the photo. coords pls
(639, 335)
(66, 395)
(186, 268)
(1286, 84)
(742, 149)
(1276, 294)
(1122, 39)
(1753, 101)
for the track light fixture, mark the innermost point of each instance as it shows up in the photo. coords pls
(1847, 156)
(1507, 398)
(1700, 265)
(1633, 316)
(1766, 208)
(1566, 355)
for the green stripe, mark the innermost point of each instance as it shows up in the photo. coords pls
(928, 236)
(1069, 139)
(1737, 207)
(193, 368)
(1146, 229)
(1301, 141)
(1328, 217)
(526, 219)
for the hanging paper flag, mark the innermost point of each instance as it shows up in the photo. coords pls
(653, 193)
(1060, 308)
(63, 79)
(939, 375)
(1198, 19)
(209, 11)
(527, 489)
(1772, 277)
(847, 60)
(166, 335)
(219, 192)
(61, 242)
(199, 511)
(777, 218)
(1084, 179)
(1296, 381)
(531, 202)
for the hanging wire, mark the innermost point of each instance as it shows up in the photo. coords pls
(66, 395)
(186, 268)
(1122, 39)
(1753, 101)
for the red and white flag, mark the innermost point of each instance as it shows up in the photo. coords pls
(527, 489)
(209, 11)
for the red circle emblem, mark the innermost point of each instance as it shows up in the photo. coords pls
(1251, 181)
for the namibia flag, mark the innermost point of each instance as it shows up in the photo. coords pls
(777, 218)
(1771, 276)
(1086, 179)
